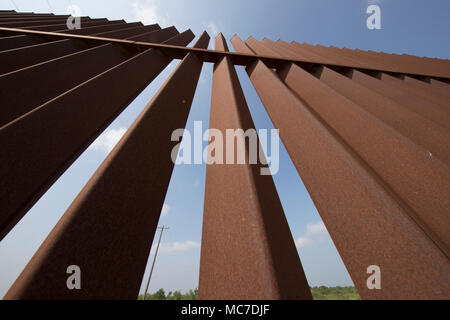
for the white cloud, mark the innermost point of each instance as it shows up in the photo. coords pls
(165, 209)
(174, 247)
(147, 11)
(108, 139)
(316, 228)
(302, 242)
(212, 28)
(315, 232)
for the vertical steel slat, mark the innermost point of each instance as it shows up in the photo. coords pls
(305, 53)
(418, 129)
(421, 106)
(415, 90)
(421, 181)
(247, 249)
(128, 32)
(112, 25)
(19, 93)
(27, 14)
(17, 41)
(21, 24)
(18, 58)
(155, 37)
(12, 42)
(380, 60)
(287, 51)
(367, 224)
(54, 134)
(408, 62)
(405, 63)
(334, 59)
(422, 131)
(352, 55)
(438, 83)
(427, 88)
(62, 27)
(12, 19)
(110, 240)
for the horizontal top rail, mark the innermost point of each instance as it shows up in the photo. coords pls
(213, 56)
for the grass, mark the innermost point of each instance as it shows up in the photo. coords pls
(318, 293)
(335, 293)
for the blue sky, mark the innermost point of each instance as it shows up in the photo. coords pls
(415, 27)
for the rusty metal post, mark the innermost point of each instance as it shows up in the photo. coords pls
(365, 218)
(415, 89)
(54, 134)
(247, 248)
(394, 92)
(426, 133)
(108, 230)
(81, 66)
(26, 56)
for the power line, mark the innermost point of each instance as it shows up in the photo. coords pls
(154, 259)
(51, 9)
(15, 6)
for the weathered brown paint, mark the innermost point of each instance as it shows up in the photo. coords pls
(414, 89)
(178, 52)
(367, 223)
(26, 56)
(156, 36)
(426, 133)
(18, 95)
(247, 248)
(110, 240)
(17, 41)
(46, 135)
(420, 181)
(85, 26)
(422, 131)
(21, 24)
(373, 213)
(417, 104)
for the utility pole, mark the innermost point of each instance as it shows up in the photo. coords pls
(154, 259)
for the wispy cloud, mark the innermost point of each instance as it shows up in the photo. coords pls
(165, 209)
(108, 139)
(148, 12)
(175, 247)
(315, 232)
(212, 28)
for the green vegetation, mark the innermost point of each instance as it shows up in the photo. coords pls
(319, 293)
(176, 295)
(335, 293)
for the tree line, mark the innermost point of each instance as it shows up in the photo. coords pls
(318, 293)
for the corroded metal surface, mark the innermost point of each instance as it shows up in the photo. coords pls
(247, 248)
(110, 240)
(367, 131)
(366, 217)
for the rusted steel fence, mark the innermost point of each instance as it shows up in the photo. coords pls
(368, 133)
